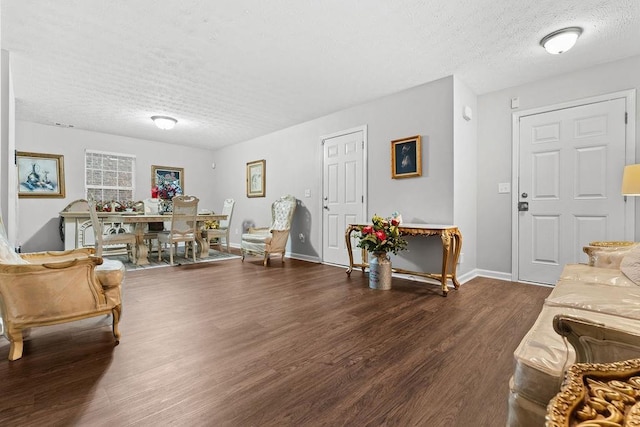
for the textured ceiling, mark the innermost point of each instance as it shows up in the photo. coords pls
(232, 71)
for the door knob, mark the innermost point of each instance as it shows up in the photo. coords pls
(326, 207)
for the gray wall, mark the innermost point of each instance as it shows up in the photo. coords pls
(494, 145)
(294, 164)
(465, 171)
(38, 218)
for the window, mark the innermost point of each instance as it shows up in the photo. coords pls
(109, 176)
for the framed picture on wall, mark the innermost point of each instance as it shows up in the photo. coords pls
(406, 157)
(167, 181)
(256, 178)
(40, 175)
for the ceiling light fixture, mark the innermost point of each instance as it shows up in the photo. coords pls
(164, 122)
(561, 40)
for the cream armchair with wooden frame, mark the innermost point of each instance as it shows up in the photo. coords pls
(222, 232)
(183, 227)
(272, 240)
(47, 288)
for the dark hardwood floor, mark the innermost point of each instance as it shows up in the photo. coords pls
(235, 344)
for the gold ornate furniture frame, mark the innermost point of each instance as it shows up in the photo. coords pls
(606, 393)
(598, 394)
(451, 245)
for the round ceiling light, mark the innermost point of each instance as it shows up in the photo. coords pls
(561, 40)
(164, 122)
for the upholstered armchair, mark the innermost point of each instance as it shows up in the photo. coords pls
(272, 240)
(46, 288)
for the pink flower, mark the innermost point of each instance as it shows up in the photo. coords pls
(381, 235)
(367, 230)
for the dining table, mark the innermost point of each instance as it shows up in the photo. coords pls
(139, 221)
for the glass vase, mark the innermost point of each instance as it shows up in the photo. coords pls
(165, 206)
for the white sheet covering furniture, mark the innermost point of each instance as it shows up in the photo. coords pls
(598, 294)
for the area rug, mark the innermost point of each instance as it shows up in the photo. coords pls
(177, 260)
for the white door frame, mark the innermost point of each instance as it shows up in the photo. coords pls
(365, 193)
(630, 158)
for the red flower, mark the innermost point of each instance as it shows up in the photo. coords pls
(394, 222)
(367, 230)
(381, 235)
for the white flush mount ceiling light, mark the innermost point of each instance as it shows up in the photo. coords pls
(164, 122)
(561, 40)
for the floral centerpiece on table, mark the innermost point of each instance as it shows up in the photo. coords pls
(382, 236)
(211, 224)
(168, 188)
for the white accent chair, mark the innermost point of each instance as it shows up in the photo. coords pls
(272, 240)
(183, 227)
(222, 232)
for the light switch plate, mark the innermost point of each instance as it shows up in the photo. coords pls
(307, 193)
(504, 187)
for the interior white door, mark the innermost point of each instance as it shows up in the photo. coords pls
(570, 172)
(343, 193)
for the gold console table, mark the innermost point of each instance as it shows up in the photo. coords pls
(451, 245)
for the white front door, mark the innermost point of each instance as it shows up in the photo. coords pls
(570, 170)
(343, 192)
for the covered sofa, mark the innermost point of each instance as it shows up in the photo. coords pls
(600, 293)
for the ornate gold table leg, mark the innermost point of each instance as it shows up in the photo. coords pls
(347, 237)
(446, 252)
(457, 247)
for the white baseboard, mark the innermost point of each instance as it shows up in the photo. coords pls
(493, 274)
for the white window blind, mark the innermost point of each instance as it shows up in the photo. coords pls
(109, 176)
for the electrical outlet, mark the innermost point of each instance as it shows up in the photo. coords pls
(461, 259)
(237, 231)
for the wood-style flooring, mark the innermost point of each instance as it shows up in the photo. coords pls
(301, 344)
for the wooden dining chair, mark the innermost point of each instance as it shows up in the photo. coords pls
(115, 235)
(183, 227)
(222, 232)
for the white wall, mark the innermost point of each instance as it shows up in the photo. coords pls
(38, 217)
(294, 163)
(465, 171)
(495, 153)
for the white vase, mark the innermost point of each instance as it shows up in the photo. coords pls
(380, 271)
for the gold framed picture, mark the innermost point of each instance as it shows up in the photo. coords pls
(406, 157)
(40, 175)
(256, 171)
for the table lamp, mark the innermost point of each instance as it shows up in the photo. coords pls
(631, 180)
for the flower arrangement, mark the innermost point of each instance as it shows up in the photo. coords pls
(211, 224)
(168, 188)
(382, 236)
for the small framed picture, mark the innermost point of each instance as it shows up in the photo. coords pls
(256, 178)
(40, 175)
(406, 157)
